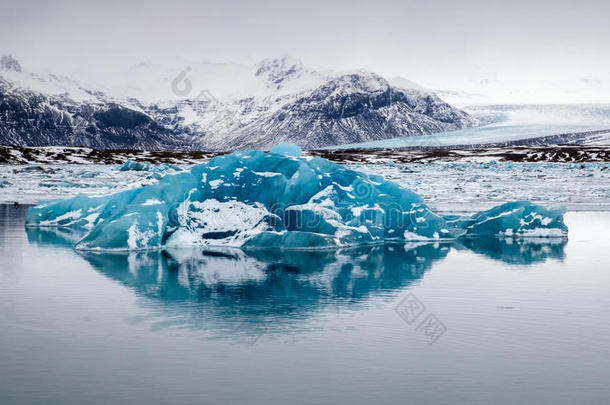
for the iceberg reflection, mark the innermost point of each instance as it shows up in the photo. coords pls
(268, 282)
(230, 291)
(517, 251)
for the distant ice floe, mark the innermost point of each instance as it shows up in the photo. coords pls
(277, 200)
(131, 165)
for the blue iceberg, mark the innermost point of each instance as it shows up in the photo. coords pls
(132, 165)
(520, 219)
(280, 199)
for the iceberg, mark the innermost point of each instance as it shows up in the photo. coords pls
(276, 200)
(132, 165)
(518, 219)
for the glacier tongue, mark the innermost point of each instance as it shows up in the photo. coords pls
(257, 200)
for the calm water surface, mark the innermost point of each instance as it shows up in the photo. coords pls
(476, 321)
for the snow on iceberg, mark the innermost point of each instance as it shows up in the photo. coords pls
(252, 199)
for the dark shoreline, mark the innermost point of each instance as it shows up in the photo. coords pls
(572, 153)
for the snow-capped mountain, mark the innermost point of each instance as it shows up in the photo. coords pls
(217, 107)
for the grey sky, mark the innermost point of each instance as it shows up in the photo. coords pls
(437, 43)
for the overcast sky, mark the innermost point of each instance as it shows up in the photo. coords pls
(443, 44)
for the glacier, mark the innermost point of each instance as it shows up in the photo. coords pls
(277, 200)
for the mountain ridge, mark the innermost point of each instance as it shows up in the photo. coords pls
(284, 101)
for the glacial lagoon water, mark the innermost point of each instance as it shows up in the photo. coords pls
(474, 321)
